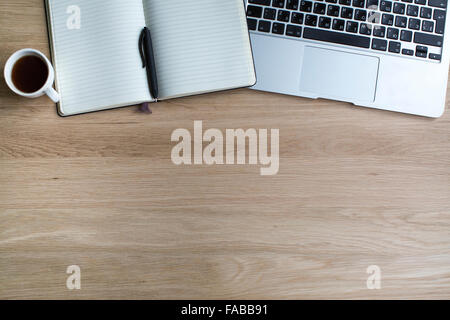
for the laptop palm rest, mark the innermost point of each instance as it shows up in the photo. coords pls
(339, 75)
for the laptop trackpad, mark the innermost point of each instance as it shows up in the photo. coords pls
(339, 75)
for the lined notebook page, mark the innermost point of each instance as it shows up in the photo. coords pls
(200, 46)
(98, 66)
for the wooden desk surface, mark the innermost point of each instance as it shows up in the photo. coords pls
(356, 187)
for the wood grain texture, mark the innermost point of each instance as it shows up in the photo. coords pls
(356, 187)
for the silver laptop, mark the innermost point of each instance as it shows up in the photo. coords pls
(391, 55)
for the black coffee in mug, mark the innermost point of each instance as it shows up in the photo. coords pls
(29, 74)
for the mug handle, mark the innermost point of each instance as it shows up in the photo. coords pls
(52, 94)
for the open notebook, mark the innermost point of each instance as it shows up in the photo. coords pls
(199, 46)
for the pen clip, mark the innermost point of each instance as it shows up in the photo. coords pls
(141, 47)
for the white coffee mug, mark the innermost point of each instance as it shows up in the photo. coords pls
(47, 88)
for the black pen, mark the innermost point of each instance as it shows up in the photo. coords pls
(148, 61)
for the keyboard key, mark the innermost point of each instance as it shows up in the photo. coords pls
(278, 28)
(439, 17)
(293, 31)
(374, 17)
(333, 10)
(399, 8)
(252, 23)
(310, 20)
(278, 3)
(392, 33)
(283, 15)
(364, 29)
(421, 51)
(325, 22)
(320, 8)
(345, 2)
(372, 4)
(422, 2)
(414, 24)
(434, 56)
(297, 18)
(387, 19)
(438, 3)
(427, 26)
(253, 11)
(385, 6)
(379, 44)
(428, 39)
(270, 14)
(331, 1)
(346, 12)
(360, 15)
(261, 2)
(401, 22)
(292, 4)
(394, 47)
(338, 24)
(425, 12)
(306, 6)
(379, 31)
(352, 27)
(439, 29)
(439, 14)
(337, 37)
(264, 26)
(359, 3)
(408, 52)
(412, 10)
(406, 35)
(409, 1)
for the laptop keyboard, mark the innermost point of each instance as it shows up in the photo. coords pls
(407, 27)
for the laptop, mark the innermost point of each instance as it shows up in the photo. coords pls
(391, 55)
